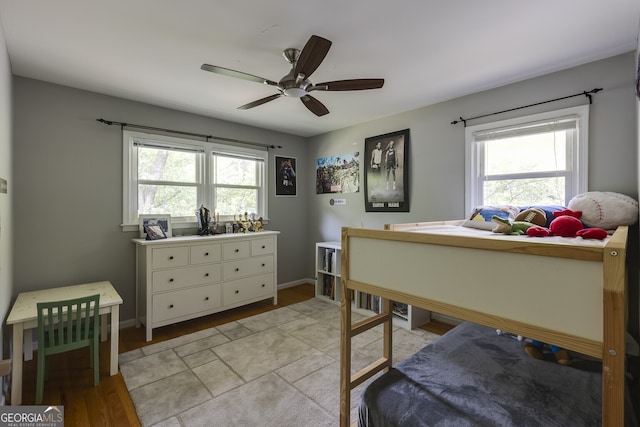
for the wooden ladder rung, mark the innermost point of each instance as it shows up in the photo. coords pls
(365, 373)
(370, 322)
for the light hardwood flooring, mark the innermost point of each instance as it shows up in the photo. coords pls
(70, 381)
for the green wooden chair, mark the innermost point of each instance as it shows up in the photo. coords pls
(64, 326)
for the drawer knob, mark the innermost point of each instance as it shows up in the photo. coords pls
(263, 264)
(237, 269)
(170, 280)
(263, 246)
(171, 306)
(237, 250)
(263, 285)
(206, 274)
(206, 254)
(237, 291)
(206, 298)
(171, 257)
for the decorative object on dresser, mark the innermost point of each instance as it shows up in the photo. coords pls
(187, 277)
(163, 220)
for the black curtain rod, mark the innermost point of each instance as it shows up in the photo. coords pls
(587, 94)
(179, 132)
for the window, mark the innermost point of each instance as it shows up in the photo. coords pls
(173, 175)
(534, 160)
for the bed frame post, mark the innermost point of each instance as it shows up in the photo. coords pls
(348, 330)
(345, 336)
(614, 327)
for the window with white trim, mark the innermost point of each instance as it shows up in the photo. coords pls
(538, 159)
(171, 175)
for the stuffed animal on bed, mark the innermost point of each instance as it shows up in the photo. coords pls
(535, 349)
(567, 224)
(506, 226)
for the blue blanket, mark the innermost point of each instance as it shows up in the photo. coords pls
(473, 377)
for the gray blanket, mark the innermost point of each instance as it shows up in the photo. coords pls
(474, 377)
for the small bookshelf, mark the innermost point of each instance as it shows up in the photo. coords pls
(328, 286)
(328, 270)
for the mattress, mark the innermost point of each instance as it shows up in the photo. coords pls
(472, 376)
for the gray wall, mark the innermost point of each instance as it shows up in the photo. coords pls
(68, 186)
(437, 148)
(6, 226)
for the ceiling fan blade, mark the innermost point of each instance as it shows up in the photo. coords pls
(237, 74)
(315, 106)
(259, 102)
(354, 84)
(312, 55)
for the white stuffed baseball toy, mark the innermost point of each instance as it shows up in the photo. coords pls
(605, 209)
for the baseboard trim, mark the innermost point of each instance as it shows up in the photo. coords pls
(296, 283)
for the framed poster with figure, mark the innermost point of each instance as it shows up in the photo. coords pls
(286, 176)
(386, 177)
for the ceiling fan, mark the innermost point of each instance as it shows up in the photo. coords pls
(296, 83)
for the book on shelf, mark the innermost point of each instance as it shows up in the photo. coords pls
(328, 286)
(327, 260)
(334, 262)
(400, 309)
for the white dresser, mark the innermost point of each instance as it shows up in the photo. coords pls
(182, 278)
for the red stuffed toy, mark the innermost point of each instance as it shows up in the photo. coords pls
(567, 224)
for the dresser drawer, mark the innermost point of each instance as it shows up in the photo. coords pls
(170, 305)
(202, 254)
(247, 288)
(165, 280)
(263, 246)
(247, 267)
(235, 250)
(170, 257)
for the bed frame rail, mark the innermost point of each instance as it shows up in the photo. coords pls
(610, 349)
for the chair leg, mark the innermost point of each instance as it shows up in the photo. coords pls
(40, 377)
(95, 359)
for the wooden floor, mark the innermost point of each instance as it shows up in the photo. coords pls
(70, 381)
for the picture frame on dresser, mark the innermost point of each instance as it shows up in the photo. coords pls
(163, 220)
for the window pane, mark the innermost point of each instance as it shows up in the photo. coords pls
(522, 192)
(158, 164)
(531, 153)
(235, 171)
(233, 201)
(176, 200)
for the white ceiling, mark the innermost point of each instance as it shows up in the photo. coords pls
(427, 51)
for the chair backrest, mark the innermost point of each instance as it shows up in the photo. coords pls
(68, 324)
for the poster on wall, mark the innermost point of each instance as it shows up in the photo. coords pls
(386, 177)
(286, 176)
(338, 174)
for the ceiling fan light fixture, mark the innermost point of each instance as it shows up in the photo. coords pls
(295, 92)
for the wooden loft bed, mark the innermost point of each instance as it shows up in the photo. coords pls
(569, 292)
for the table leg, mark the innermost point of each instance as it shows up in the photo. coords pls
(27, 342)
(103, 327)
(16, 375)
(115, 337)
